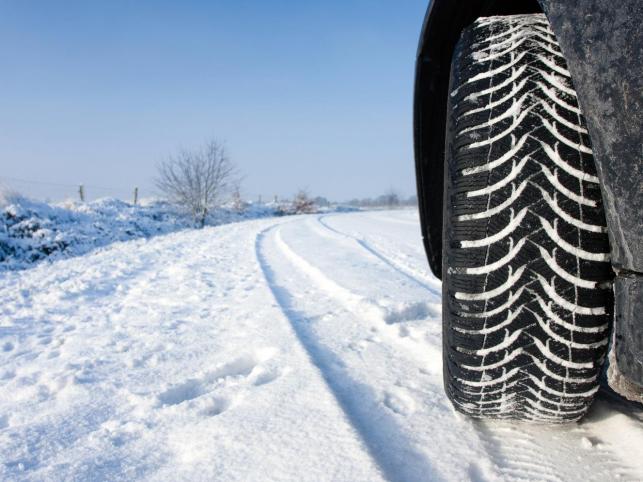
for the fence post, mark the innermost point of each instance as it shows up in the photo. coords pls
(135, 195)
(81, 192)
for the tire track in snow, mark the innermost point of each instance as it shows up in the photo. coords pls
(386, 260)
(402, 378)
(527, 451)
(385, 440)
(359, 306)
(517, 451)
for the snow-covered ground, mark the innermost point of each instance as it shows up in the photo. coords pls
(297, 348)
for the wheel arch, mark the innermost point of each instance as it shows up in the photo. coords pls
(605, 74)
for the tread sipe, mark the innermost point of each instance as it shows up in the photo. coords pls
(526, 288)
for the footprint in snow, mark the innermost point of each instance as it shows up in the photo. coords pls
(408, 312)
(215, 406)
(241, 366)
(399, 401)
(53, 354)
(267, 376)
(219, 388)
(182, 393)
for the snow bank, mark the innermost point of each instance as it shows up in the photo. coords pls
(32, 231)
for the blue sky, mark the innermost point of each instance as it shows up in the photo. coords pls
(314, 95)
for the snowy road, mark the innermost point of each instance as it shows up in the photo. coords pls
(304, 348)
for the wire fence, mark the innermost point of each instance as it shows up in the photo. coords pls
(55, 191)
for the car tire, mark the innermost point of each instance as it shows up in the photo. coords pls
(527, 300)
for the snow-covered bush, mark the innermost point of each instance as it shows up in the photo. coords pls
(303, 204)
(237, 203)
(33, 231)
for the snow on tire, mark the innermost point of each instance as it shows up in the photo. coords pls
(526, 288)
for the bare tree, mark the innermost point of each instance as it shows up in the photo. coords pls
(302, 204)
(238, 204)
(390, 199)
(196, 180)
